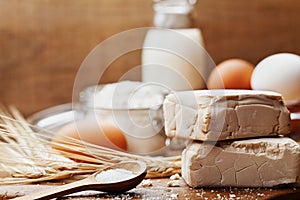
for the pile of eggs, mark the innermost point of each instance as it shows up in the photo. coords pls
(279, 73)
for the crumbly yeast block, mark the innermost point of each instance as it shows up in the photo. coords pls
(263, 162)
(225, 114)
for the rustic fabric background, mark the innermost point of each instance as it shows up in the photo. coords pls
(43, 42)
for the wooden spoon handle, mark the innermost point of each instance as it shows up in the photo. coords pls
(58, 191)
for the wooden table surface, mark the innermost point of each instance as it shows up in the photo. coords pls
(160, 190)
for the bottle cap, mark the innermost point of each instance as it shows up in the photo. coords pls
(174, 6)
(173, 13)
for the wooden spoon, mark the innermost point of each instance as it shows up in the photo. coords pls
(136, 170)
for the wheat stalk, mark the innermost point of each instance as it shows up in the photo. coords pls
(26, 156)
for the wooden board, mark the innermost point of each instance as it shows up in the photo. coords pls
(160, 190)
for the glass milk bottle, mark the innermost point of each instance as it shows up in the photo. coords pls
(172, 53)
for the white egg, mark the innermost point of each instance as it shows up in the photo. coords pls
(279, 73)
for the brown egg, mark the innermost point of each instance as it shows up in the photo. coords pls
(231, 74)
(89, 130)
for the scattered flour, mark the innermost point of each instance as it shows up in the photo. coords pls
(146, 183)
(174, 196)
(173, 183)
(175, 177)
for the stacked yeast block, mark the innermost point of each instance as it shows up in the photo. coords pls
(220, 123)
(262, 162)
(225, 114)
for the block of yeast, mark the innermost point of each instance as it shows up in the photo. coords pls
(262, 162)
(225, 114)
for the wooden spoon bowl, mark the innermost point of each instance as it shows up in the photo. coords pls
(138, 170)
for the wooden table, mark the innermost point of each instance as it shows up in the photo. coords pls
(159, 190)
